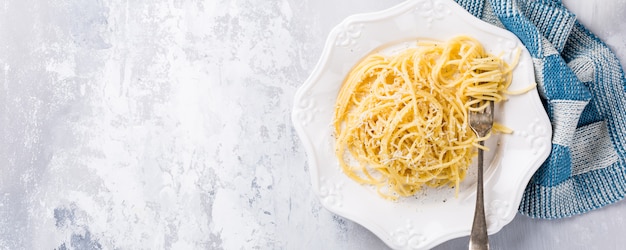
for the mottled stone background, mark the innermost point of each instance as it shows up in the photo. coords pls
(145, 124)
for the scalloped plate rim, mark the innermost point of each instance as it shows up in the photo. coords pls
(318, 72)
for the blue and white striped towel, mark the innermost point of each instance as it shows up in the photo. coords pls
(583, 89)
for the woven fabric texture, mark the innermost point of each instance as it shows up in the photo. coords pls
(582, 86)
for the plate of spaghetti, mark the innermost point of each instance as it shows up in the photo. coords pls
(383, 118)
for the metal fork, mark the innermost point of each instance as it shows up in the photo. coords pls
(481, 123)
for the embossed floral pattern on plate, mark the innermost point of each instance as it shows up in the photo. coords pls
(434, 216)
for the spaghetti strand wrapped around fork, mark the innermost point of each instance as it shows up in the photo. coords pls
(401, 121)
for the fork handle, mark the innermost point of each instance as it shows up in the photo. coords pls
(478, 237)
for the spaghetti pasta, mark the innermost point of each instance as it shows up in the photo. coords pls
(401, 121)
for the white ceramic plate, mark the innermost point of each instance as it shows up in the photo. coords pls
(434, 215)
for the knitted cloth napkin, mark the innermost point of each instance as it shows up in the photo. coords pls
(582, 87)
